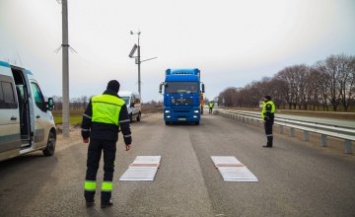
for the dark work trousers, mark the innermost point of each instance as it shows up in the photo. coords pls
(210, 111)
(268, 131)
(96, 146)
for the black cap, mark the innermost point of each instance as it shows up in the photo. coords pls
(267, 97)
(113, 85)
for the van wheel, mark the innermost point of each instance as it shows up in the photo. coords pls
(139, 117)
(49, 150)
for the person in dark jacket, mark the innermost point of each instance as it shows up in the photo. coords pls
(211, 105)
(268, 115)
(104, 117)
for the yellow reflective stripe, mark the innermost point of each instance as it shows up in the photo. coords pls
(90, 185)
(106, 186)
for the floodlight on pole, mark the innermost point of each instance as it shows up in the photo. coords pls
(134, 48)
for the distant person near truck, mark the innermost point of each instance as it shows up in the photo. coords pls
(210, 106)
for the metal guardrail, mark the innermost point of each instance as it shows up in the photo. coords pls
(325, 130)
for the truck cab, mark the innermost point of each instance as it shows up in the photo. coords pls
(182, 91)
(26, 121)
(133, 103)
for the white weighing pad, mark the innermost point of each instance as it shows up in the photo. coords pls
(143, 168)
(233, 170)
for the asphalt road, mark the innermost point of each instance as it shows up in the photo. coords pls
(295, 178)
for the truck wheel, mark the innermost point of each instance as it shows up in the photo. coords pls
(139, 117)
(49, 150)
(197, 123)
(167, 123)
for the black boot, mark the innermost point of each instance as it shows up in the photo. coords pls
(269, 142)
(106, 199)
(106, 204)
(89, 198)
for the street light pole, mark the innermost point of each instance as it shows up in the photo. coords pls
(138, 61)
(139, 66)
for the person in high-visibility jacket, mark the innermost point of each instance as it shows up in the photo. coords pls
(211, 105)
(268, 115)
(104, 117)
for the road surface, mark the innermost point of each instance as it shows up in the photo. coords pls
(294, 178)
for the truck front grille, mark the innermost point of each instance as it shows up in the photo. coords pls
(182, 101)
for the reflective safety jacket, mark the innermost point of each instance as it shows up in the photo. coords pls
(105, 116)
(268, 111)
(211, 104)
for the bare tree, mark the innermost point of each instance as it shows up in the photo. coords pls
(345, 80)
(84, 101)
(332, 69)
(279, 92)
(58, 102)
(226, 98)
(287, 77)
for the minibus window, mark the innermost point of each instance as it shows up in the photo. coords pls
(7, 98)
(39, 99)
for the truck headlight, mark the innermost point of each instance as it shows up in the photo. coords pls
(196, 111)
(167, 111)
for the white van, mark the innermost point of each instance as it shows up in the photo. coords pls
(26, 121)
(133, 102)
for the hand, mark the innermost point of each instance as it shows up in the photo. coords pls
(128, 147)
(86, 140)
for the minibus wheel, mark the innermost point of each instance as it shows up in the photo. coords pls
(49, 150)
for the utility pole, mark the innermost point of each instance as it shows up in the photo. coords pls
(65, 69)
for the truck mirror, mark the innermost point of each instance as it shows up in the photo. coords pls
(161, 87)
(50, 104)
(203, 88)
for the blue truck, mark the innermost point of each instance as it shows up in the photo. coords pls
(183, 94)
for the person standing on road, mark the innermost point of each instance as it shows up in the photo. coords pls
(211, 105)
(104, 117)
(202, 102)
(268, 115)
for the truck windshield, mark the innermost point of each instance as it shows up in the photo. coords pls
(181, 87)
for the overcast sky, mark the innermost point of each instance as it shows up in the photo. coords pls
(232, 42)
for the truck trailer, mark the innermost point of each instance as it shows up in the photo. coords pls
(182, 91)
